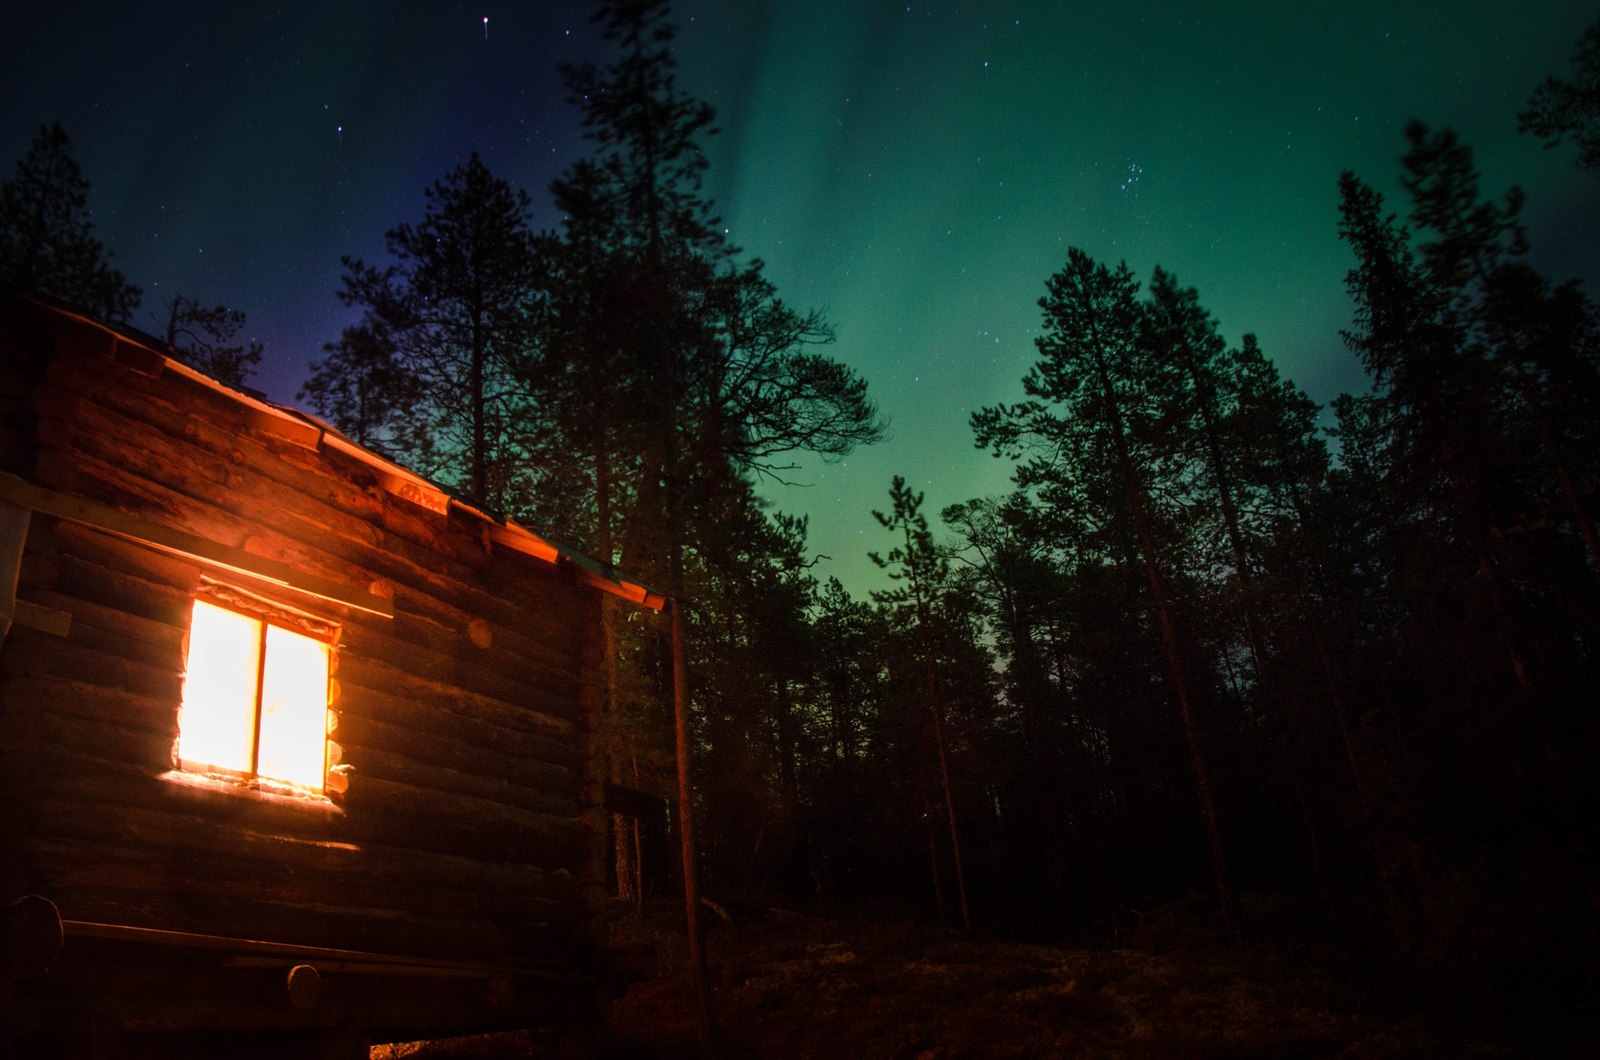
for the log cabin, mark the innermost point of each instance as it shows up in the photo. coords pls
(294, 745)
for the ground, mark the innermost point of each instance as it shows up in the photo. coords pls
(793, 985)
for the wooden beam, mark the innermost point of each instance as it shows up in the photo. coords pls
(281, 950)
(181, 543)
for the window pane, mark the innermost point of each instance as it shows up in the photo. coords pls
(294, 709)
(216, 724)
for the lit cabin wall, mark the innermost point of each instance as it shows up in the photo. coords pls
(469, 830)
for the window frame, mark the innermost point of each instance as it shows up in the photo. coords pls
(270, 613)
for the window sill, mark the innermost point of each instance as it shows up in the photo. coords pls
(254, 789)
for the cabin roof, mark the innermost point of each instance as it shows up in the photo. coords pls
(131, 346)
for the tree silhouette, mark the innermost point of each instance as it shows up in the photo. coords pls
(203, 337)
(1096, 414)
(454, 310)
(922, 573)
(366, 391)
(718, 377)
(1560, 108)
(47, 241)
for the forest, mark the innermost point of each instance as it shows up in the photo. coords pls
(1333, 669)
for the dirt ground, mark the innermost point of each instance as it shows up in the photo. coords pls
(790, 985)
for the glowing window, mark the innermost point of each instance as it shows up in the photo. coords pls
(255, 698)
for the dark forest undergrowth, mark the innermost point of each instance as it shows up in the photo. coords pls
(793, 985)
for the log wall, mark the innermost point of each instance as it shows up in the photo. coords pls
(470, 827)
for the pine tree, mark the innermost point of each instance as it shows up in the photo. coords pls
(923, 574)
(1095, 414)
(715, 378)
(454, 309)
(47, 241)
(203, 337)
(362, 387)
(1558, 108)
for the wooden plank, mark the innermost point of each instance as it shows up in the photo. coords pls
(189, 546)
(225, 478)
(544, 696)
(507, 657)
(252, 494)
(162, 638)
(136, 740)
(139, 806)
(360, 670)
(158, 985)
(369, 795)
(232, 872)
(328, 925)
(82, 709)
(175, 846)
(376, 762)
(449, 742)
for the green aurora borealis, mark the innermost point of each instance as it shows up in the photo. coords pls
(914, 170)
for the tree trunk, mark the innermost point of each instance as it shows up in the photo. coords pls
(1133, 494)
(936, 709)
(950, 816)
(691, 875)
(933, 861)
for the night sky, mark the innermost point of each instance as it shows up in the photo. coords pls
(915, 171)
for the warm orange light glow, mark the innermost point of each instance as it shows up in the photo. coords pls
(217, 723)
(282, 734)
(294, 709)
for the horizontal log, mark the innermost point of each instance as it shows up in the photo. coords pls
(244, 488)
(371, 796)
(158, 643)
(538, 697)
(250, 487)
(116, 801)
(236, 871)
(243, 437)
(109, 552)
(79, 474)
(159, 612)
(469, 851)
(525, 602)
(80, 714)
(344, 928)
(143, 986)
(82, 742)
(127, 573)
(158, 638)
(27, 652)
(531, 762)
(476, 841)
(179, 462)
(386, 765)
(361, 671)
(218, 426)
(504, 658)
(200, 515)
(95, 655)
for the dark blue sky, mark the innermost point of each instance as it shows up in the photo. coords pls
(915, 170)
